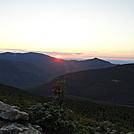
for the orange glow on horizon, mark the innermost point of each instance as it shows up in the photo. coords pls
(58, 56)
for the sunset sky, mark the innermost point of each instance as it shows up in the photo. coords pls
(78, 29)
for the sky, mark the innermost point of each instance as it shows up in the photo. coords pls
(74, 29)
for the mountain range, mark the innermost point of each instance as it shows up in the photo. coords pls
(28, 69)
(94, 87)
(113, 84)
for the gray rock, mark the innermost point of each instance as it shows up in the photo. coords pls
(15, 128)
(15, 107)
(37, 127)
(12, 113)
(114, 132)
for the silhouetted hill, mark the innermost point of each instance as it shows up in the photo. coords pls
(28, 69)
(114, 84)
(19, 97)
(19, 74)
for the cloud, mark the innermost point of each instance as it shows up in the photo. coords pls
(112, 57)
(117, 58)
(13, 50)
(49, 53)
(62, 53)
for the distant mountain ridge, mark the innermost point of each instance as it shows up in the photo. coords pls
(18, 74)
(29, 69)
(114, 84)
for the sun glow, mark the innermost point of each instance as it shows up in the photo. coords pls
(58, 56)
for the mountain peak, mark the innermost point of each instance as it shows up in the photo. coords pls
(96, 58)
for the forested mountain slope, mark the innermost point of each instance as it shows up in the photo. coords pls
(114, 84)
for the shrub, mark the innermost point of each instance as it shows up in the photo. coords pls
(55, 120)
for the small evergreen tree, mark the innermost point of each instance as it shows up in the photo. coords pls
(59, 91)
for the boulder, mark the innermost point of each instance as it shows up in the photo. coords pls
(10, 118)
(12, 113)
(16, 128)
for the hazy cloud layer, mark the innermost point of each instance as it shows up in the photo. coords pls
(13, 50)
(62, 53)
(111, 57)
(115, 57)
(77, 55)
(49, 53)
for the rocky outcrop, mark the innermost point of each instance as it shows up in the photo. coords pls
(10, 118)
(12, 113)
(16, 128)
